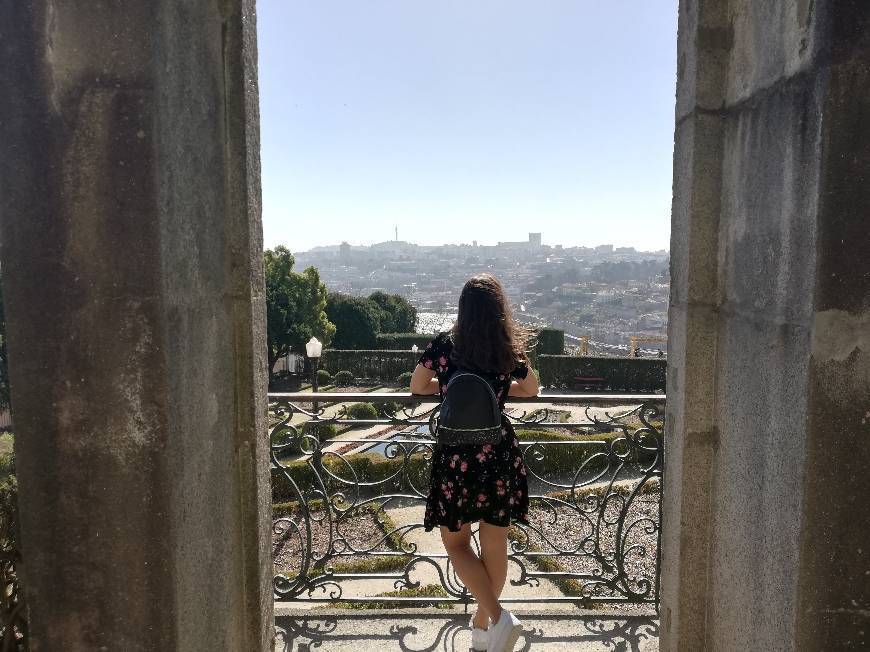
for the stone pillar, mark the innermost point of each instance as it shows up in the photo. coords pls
(766, 483)
(133, 280)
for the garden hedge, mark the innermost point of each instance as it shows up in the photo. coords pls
(369, 467)
(600, 373)
(550, 341)
(343, 378)
(372, 467)
(284, 381)
(562, 459)
(370, 364)
(402, 341)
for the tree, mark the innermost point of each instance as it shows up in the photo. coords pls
(295, 306)
(397, 315)
(357, 321)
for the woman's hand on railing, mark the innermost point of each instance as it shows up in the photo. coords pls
(526, 387)
(424, 381)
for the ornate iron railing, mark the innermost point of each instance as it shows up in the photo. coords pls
(349, 505)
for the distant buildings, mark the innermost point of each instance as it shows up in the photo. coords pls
(606, 292)
(534, 242)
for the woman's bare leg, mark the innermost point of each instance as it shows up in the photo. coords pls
(471, 571)
(493, 554)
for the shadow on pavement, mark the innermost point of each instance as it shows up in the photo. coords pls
(430, 632)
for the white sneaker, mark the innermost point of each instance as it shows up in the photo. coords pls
(479, 637)
(503, 635)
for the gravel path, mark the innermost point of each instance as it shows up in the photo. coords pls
(359, 531)
(591, 543)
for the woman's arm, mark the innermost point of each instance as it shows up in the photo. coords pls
(526, 387)
(423, 381)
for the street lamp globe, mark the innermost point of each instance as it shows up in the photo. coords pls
(313, 347)
(415, 348)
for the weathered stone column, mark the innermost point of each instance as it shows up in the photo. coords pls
(131, 253)
(767, 462)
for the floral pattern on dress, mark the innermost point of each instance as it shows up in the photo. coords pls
(475, 483)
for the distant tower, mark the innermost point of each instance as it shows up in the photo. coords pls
(397, 232)
(474, 244)
(535, 239)
(344, 251)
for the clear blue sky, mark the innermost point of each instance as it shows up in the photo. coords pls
(462, 120)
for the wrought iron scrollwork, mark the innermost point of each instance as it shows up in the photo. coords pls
(595, 512)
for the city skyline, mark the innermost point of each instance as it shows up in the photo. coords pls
(475, 243)
(329, 245)
(467, 121)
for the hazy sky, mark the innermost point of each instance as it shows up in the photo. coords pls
(463, 120)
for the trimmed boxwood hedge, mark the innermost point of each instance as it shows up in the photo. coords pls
(550, 341)
(372, 364)
(609, 374)
(369, 467)
(372, 467)
(362, 411)
(562, 459)
(401, 341)
(343, 378)
(323, 377)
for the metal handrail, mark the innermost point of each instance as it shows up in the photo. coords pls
(407, 397)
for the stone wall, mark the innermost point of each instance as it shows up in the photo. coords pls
(769, 380)
(132, 260)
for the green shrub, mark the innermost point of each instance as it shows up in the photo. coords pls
(425, 591)
(402, 341)
(15, 612)
(611, 374)
(404, 378)
(362, 411)
(343, 378)
(324, 432)
(323, 377)
(388, 407)
(385, 564)
(7, 461)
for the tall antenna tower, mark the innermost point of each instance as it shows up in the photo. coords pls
(397, 232)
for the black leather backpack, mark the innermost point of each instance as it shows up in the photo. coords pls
(470, 414)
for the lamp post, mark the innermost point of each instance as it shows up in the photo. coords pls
(314, 348)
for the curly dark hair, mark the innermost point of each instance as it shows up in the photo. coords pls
(485, 335)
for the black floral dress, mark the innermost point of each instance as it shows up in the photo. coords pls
(475, 483)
